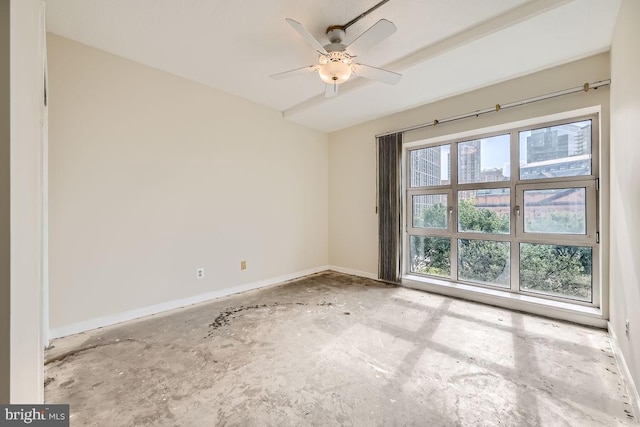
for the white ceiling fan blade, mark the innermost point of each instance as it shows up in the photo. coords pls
(306, 35)
(374, 35)
(296, 72)
(378, 74)
(330, 90)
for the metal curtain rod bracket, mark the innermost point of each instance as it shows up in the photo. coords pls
(498, 107)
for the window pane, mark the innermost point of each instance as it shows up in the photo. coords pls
(556, 151)
(561, 210)
(430, 255)
(484, 211)
(431, 166)
(484, 261)
(484, 160)
(430, 211)
(556, 270)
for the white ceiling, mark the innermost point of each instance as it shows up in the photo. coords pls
(441, 47)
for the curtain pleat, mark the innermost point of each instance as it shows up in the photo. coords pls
(389, 209)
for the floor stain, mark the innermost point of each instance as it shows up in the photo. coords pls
(71, 353)
(225, 317)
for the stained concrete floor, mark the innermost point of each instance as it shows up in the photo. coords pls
(333, 349)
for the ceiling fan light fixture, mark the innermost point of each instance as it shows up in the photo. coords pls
(335, 72)
(335, 68)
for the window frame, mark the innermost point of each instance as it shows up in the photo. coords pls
(516, 187)
(591, 229)
(428, 231)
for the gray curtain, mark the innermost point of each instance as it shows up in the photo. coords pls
(389, 209)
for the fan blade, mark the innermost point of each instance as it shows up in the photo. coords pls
(378, 74)
(374, 35)
(306, 35)
(330, 90)
(296, 72)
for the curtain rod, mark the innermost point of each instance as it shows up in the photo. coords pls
(584, 88)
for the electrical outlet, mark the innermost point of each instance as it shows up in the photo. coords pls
(626, 328)
(200, 273)
(243, 265)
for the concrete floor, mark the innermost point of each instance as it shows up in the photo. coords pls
(333, 349)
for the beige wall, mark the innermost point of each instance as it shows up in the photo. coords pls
(352, 159)
(27, 112)
(153, 176)
(5, 138)
(625, 184)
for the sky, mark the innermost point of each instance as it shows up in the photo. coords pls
(495, 152)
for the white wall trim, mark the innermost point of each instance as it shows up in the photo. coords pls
(112, 319)
(45, 187)
(624, 370)
(353, 272)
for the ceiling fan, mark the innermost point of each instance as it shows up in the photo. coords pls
(335, 60)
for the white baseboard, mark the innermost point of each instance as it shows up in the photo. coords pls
(113, 319)
(626, 373)
(353, 272)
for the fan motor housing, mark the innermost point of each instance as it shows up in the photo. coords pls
(335, 34)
